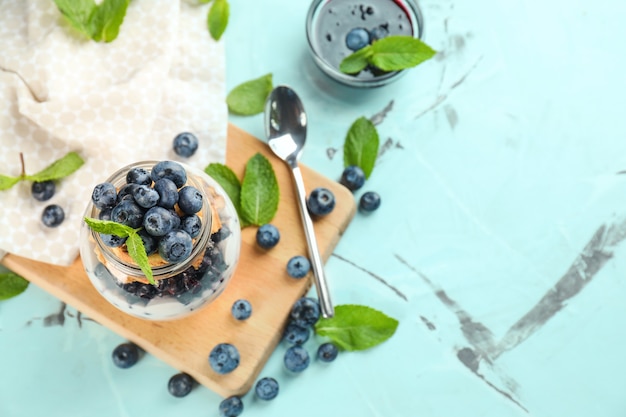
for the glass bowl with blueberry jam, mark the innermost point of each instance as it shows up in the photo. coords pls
(337, 28)
(187, 226)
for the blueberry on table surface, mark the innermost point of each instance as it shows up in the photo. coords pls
(185, 144)
(168, 193)
(158, 221)
(125, 355)
(295, 334)
(138, 176)
(224, 358)
(145, 196)
(296, 359)
(327, 352)
(357, 38)
(241, 309)
(190, 199)
(266, 388)
(104, 195)
(320, 202)
(353, 177)
(267, 236)
(298, 266)
(175, 246)
(191, 224)
(52, 216)
(43, 191)
(180, 385)
(231, 407)
(369, 202)
(170, 170)
(305, 312)
(129, 213)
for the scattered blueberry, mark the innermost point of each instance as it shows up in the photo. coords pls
(357, 38)
(241, 309)
(180, 385)
(129, 213)
(145, 196)
(224, 358)
(267, 236)
(353, 177)
(320, 202)
(327, 352)
(53, 215)
(175, 246)
(125, 355)
(266, 388)
(185, 144)
(305, 312)
(191, 224)
(168, 192)
(231, 407)
(298, 266)
(295, 334)
(369, 202)
(43, 191)
(138, 176)
(189, 199)
(112, 241)
(104, 195)
(158, 221)
(379, 32)
(296, 359)
(170, 170)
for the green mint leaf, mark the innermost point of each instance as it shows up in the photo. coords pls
(259, 191)
(356, 327)
(230, 183)
(204, 1)
(7, 182)
(137, 251)
(59, 169)
(361, 145)
(395, 53)
(77, 13)
(357, 61)
(106, 20)
(11, 285)
(217, 19)
(109, 227)
(249, 97)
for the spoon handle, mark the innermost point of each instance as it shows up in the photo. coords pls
(321, 285)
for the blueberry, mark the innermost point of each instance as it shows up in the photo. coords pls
(170, 170)
(267, 236)
(129, 213)
(191, 224)
(298, 267)
(369, 202)
(176, 221)
(112, 241)
(327, 352)
(320, 202)
(104, 195)
(105, 214)
(126, 192)
(185, 144)
(158, 221)
(145, 196)
(180, 385)
(241, 309)
(175, 246)
(295, 334)
(43, 191)
(150, 243)
(353, 177)
(266, 388)
(125, 355)
(305, 312)
(224, 358)
(189, 199)
(168, 192)
(379, 32)
(296, 359)
(138, 176)
(357, 38)
(53, 215)
(231, 407)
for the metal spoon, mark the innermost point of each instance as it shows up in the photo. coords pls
(285, 128)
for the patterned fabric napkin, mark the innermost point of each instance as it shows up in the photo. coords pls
(113, 103)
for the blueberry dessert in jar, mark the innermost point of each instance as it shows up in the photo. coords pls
(189, 229)
(337, 28)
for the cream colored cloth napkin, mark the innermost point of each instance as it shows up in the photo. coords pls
(113, 103)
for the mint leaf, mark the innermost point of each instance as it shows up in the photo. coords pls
(396, 53)
(7, 182)
(361, 145)
(357, 61)
(58, 169)
(357, 327)
(11, 285)
(249, 97)
(137, 251)
(77, 13)
(106, 20)
(109, 227)
(229, 182)
(259, 191)
(217, 19)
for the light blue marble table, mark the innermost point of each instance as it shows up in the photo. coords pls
(498, 245)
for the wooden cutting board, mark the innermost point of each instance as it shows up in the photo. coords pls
(260, 277)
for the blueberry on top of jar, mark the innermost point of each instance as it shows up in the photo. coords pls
(357, 38)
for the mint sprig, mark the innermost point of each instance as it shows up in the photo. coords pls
(357, 327)
(393, 53)
(99, 22)
(248, 98)
(61, 168)
(361, 145)
(11, 285)
(134, 243)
